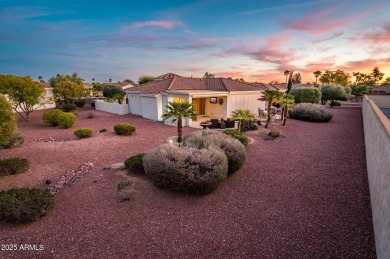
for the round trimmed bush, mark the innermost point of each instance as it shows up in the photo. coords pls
(83, 133)
(7, 120)
(66, 120)
(69, 107)
(135, 164)
(233, 149)
(13, 165)
(124, 129)
(50, 116)
(306, 95)
(186, 169)
(237, 135)
(80, 103)
(310, 112)
(15, 140)
(24, 204)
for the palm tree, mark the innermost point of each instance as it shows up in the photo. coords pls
(93, 80)
(241, 116)
(40, 78)
(271, 96)
(179, 110)
(286, 73)
(286, 102)
(110, 80)
(317, 74)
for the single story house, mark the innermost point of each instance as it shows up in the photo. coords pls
(210, 97)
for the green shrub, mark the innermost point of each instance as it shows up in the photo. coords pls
(306, 95)
(15, 140)
(69, 107)
(333, 93)
(13, 166)
(186, 169)
(83, 133)
(50, 116)
(7, 120)
(24, 204)
(80, 103)
(124, 129)
(237, 135)
(66, 120)
(233, 149)
(135, 164)
(310, 112)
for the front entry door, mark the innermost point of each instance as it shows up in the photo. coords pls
(198, 105)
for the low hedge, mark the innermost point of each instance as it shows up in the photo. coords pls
(69, 107)
(237, 135)
(66, 120)
(13, 165)
(83, 133)
(310, 112)
(24, 204)
(50, 116)
(124, 129)
(135, 164)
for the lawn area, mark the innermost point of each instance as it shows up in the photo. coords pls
(303, 195)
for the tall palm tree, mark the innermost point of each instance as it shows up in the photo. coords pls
(93, 79)
(40, 78)
(241, 116)
(286, 102)
(317, 74)
(179, 110)
(286, 73)
(271, 96)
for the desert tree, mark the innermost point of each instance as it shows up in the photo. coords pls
(271, 96)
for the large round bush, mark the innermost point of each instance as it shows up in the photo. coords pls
(7, 120)
(186, 169)
(69, 107)
(310, 112)
(124, 129)
(233, 149)
(66, 120)
(13, 165)
(50, 116)
(306, 95)
(111, 90)
(24, 204)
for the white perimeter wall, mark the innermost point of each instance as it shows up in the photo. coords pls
(114, 107)
(245, 102)
(377, 141)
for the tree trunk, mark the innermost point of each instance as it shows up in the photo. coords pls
(268, 114)
(283, 113)
(284, 116)
(179, 129)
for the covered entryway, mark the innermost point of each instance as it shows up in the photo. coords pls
(199, 106)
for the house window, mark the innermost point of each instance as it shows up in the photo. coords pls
(179, 100)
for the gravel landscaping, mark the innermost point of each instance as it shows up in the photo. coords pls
(302, 195)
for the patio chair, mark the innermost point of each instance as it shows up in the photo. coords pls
(230, 123)
(214, 124)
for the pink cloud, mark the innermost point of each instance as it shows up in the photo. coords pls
(379, 36)
(323, 21)
(159, 24)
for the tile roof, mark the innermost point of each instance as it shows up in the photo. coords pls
(197, 84)
(45, 84)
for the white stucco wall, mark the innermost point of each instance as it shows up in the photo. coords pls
(135, 103)
(114, 107)
(215, 109)
(245, 102)
(377, 142)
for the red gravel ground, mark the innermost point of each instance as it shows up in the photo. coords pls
(304, 195)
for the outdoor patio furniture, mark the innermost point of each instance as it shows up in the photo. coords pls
(205, 124)
(214, 124)
(230, 123)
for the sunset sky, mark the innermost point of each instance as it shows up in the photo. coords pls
(256, 40)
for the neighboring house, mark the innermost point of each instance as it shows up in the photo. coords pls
(166, 76)
(381, 89)
(89, 87)
(212, 97)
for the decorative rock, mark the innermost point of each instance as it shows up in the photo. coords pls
(118, 166)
